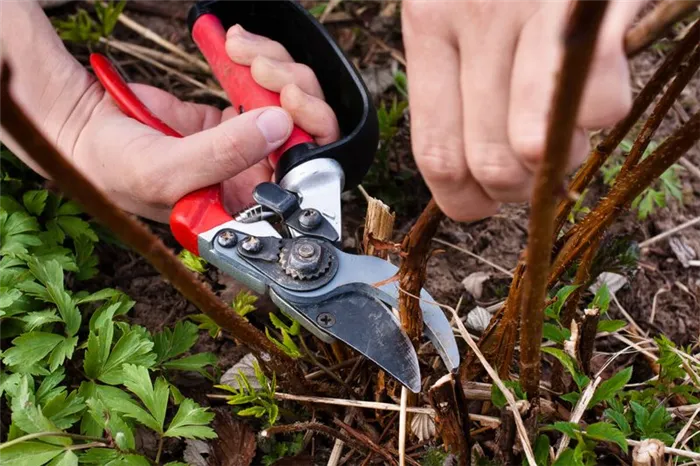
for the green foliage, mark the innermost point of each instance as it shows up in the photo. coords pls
(287, 344)
(578, 210)
(251, 402)
(435, 456)
(274, 449)
(609, 388)
(554, 310)
(207, 323)
(499, 400)
(244, 303)
(667, 186)
(47, 326)
(192, 262)
(82, 28)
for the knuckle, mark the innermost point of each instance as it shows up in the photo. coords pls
(441, 160)
(498, 176)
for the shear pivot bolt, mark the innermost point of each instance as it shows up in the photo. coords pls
(251, 244)
(227, 238)
(325, 320)
(310, 219)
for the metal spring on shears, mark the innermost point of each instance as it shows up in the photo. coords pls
(253, 214)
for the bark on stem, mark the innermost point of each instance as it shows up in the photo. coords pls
(415, 249)
(688, 69)
(137, 236)
(446, 397)
(579, 41)
(602, 151)
(655, 23)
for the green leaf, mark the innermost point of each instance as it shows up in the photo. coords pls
(104, 294)
(132, 348)
(86, 261)
(244, 303)
(35, 201)
(64, 410)
(601, 300)
(566, 360)
(75, 227)
(17, 232)
(287, 345)
(66, 459)
(195, 363)
(608, 433)
(171, 343)
(69, 208)
(257, 411)
(30, 454)
(61, 352)
(30, 348)
(568, 458)
(568, 428)
(555, 333)
(36, 319)
(138, 381)
(192, 262)
(206, 323)
(50, 274)
(28, 417)
(98, 348)
(619, 419)
(641, 416)
(8, 296)
(611, 387)
(611, 326)
(554, 309)
(542, 450)
(191, 421)
(101, 456)
(571, 397)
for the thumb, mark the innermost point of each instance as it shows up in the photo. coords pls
(224, 151)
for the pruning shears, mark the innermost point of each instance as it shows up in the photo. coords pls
(288, 244)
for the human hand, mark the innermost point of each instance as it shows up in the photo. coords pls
(145, 172)
(481, 77)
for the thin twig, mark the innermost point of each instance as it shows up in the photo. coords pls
(26, 438)
(671, 451)
(580, 39)
(655, 23)
(670, 232)
(578, 411)
(475, 256)
(403, 416)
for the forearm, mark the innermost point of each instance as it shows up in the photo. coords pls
(54, 90)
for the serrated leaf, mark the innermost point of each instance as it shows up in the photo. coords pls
(541, 450)
(608, 433)
(64, 411)
(76, 227)
(17, 232)
(171, 343)
(30, 348)
(50, 274)
(30, 453)
(36, 319)
(85, 259)
(192, 262)
(620, 420)
(49, 387)
(601, 300)
(102, 456)
(257, 411)
(611, 387)
(641, 415)
(155, 398)
(104, 294)
(191, 421)
(98, 348)
(28, 417)
(554, 309)
(69, 208)
(53, 232)
(61, 352)
(244, 303)
(611, 326)
(571, 397)
(131, 348)
(35, 201)
(568, 458)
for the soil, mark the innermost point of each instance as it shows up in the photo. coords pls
(660, 285)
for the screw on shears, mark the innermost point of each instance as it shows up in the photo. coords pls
(227, 238)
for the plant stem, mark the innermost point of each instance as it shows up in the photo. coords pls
(580, 39)
(688, 69)
(655, 23)
(85, 446)
(646, 96)
(447, 399)
(26, 438)
(136, 235)
(160, 449)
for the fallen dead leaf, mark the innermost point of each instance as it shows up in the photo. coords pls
(236, 443)
(244, 366)
(474, 283)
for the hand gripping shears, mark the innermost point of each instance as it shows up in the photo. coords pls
(287, 244)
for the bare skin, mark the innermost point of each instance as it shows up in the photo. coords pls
(481, 76)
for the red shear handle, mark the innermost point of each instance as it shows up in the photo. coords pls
(198, 211)
(237, 80)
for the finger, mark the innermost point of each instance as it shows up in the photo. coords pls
(243, 46)
(274, 75)
(238, 191)
(580, 147)
(485, 82)
(184, 117)
(311, 114)
(436, 119)
(180, 166)
(607, 95)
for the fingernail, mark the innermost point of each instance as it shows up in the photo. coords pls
(274, 125)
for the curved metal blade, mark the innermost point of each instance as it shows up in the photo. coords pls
(371, 276)
(365, 324)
